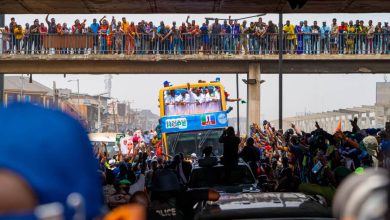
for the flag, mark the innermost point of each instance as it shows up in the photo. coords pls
(338, 128)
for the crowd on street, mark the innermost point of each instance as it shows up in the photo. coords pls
(59, 170)
(313, 162)
(229, 36)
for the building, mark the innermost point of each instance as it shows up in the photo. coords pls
(20, 89)
(115, 116)
(369, 116)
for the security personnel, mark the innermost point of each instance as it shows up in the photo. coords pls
(169, 202)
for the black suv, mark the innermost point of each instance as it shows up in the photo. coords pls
(242, 199)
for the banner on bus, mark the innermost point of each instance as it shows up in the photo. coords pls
(182, 123)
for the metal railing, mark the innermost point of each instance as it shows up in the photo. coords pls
(179, 44)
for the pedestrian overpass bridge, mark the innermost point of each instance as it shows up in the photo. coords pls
(254, 65)
(190, 64)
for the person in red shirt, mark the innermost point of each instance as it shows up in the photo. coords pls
(43, 32)
(342, 34)
(77, 29)
(196, 32)
(104, 31)
(183, 36)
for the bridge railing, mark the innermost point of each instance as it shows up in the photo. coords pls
(189, 43)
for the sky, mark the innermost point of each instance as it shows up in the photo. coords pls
(303, 93)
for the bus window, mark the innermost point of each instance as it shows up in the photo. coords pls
(197, 100)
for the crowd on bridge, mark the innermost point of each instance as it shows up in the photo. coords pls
(226, 37)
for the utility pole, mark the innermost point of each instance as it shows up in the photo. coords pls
(280, 70)
(99, 126)
(21, 88)
(238, 105)
(55, 95)
(78, 92)
(113, 109)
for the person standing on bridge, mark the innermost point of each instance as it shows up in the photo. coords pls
(205, 38)
(216, 38)
(271, 31)
(34, 30)
(306, 29)
(243, 37)
(288, 30)
(351, 33)
(95, 35)
(315, 37)
(12, 27)
(26, 40)
(386, 38)
(125, 25)
(362, 38)
(324, 30)
(51, 29)
(378, 38)
(104, 31)
(43, 35)
(18, 32)
(334, 36)
(298, 32)
(370, 37)
(342, 35)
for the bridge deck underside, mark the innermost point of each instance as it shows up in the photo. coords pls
(101, 64)
(187, 6)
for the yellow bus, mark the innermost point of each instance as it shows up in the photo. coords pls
(192, 116)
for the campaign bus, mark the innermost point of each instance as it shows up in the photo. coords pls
(192, 116)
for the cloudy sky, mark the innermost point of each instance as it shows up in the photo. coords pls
(302, 93)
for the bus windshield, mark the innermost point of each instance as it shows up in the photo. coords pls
(194, 142)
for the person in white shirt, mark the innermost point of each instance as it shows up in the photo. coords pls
(211, 99)
(124, 148)
(190, 100)
(203, 101)
(170, 103)
(178, 103)
(199, 98)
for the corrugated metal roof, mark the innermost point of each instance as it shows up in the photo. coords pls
(15, 83)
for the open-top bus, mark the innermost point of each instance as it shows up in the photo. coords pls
(192, 116)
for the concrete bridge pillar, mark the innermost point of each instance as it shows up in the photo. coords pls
(254, 94)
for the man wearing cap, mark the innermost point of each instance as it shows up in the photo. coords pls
(166, 83)
(46, 176)
(212, 100)
(169, 100)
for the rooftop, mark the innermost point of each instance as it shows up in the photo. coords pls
(16, 83)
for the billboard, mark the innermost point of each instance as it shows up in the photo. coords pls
(182, 123)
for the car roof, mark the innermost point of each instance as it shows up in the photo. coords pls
(240, 163)
(264, 205)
